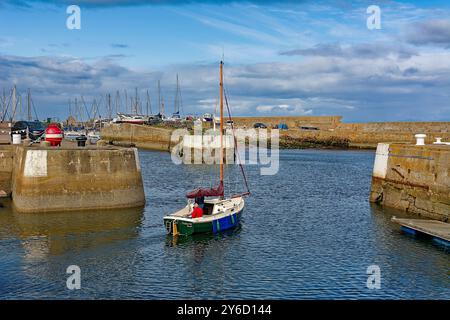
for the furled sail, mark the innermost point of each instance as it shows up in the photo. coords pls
(206, 192)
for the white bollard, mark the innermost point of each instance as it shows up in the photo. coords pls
(16, 138)
(420, 139)
(439, 141)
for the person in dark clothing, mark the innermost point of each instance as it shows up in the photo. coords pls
(201, 202)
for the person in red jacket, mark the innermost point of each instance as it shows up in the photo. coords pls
(197, 212)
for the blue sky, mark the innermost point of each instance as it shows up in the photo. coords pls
(282, 57)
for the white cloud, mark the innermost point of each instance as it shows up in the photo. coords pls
(283, 109)
(340, 68)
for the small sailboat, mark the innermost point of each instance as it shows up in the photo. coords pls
(207, 117)
(177, 103)
(219, 212)
(131, 118)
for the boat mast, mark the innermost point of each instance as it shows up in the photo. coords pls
(117, 102)
(159, 97)
(78, 113)
(136, 102)
(176, 105)
(221, 122)
(3, 104)
(20, 105)
(109, 106)
(149, 106)
(126, 101)
(14, 103)
(29, 105)
(131, 105)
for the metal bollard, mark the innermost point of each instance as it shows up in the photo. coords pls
(81, 141)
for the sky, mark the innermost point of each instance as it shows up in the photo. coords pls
(281, 57)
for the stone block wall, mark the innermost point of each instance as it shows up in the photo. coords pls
(58, 179)
(415, 179)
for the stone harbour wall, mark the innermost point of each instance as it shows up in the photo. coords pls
(415, 179)
(330, 132)
(65, 179)
(141, 136)
(320, 122)
(6, 168)
(372, 133)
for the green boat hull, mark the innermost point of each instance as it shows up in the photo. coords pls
(188, 228)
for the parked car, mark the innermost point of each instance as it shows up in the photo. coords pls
(309, 128)
(35, 129)
(259, 125)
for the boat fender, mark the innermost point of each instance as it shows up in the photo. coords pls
(175, 229)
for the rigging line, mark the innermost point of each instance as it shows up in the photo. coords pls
(7, 107)
(181, 103)
(15, 108)
(85, 107)
(99, 105)
(212, 180)
(235, 142)
(3, 99)
(34, 109)
(20, 113)
(93, 111)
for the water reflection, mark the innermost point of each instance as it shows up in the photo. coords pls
(200, 238)
(205, 260)
(44, 234)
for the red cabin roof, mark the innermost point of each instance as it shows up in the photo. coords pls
(206, 192)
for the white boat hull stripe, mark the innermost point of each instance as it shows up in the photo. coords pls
(53, 135)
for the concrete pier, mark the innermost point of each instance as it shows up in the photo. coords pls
(415, 179)
(41, 179)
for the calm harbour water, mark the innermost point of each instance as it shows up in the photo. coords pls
(307, 233)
